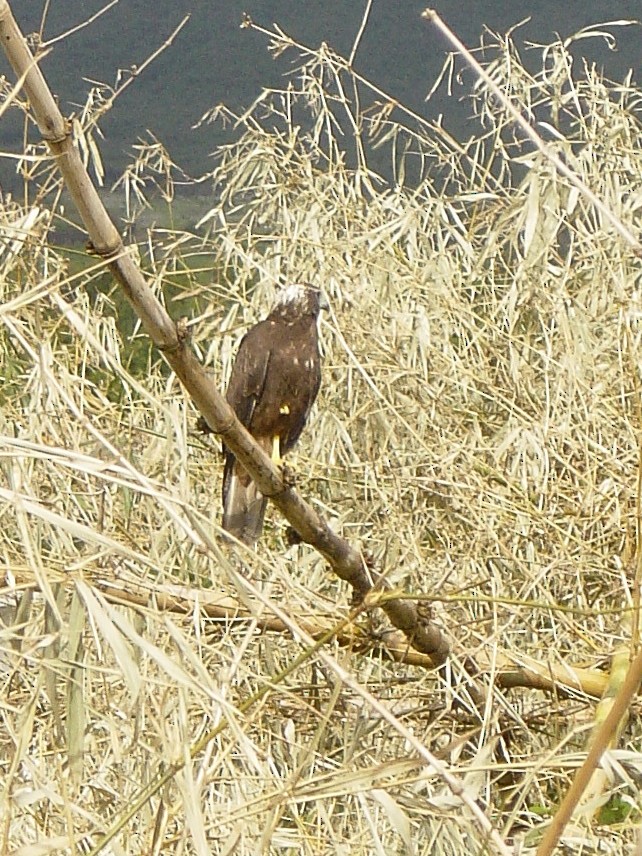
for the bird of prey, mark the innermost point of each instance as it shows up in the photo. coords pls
(274, 382)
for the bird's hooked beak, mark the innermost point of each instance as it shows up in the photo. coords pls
(323, 301)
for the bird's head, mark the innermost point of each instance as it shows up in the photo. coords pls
(299, 299)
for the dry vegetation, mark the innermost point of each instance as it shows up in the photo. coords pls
(477, 432)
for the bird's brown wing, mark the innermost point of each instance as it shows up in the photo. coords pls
(247, 380)
(243, 504)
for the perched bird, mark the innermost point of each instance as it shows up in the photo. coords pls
(274, 382)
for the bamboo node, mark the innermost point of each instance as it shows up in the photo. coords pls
(108, 252)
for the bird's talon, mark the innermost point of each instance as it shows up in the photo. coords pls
(202, 427)
(288, 475)
(292, 537)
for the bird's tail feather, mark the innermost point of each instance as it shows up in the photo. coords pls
(243, 504)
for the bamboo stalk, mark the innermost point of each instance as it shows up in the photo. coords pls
(600, 741)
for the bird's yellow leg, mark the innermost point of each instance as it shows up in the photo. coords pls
(277, 460)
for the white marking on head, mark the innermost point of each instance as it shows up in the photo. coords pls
(296, 361)
(294, 292)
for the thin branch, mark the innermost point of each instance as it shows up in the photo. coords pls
(138, 70)
(513, 670)
(362, 27)
(80, 26)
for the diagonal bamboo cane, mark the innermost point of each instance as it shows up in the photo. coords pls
(346, 561)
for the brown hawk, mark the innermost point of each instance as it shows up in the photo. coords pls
(274, 382)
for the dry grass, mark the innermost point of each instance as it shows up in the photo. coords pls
(477, 432)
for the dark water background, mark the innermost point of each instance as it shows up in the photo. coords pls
(213, 60)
